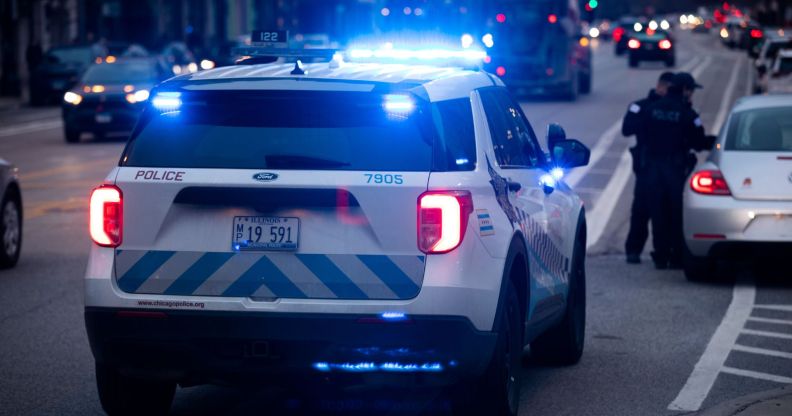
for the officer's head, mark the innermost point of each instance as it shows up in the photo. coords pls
(664, 82)
(685, 83)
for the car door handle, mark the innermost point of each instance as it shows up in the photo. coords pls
(513, 186)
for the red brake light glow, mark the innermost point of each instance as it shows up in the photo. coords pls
(501, 71)
(442, 220)
(500, 17)
(552, 18)
(665, 44)
(756, 33)
(617, 34)
(709, 182)
(106, 216)
(634, 44)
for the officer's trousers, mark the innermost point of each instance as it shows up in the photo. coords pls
(639, 216)
(665, 183)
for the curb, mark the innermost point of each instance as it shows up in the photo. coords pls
(776, 402)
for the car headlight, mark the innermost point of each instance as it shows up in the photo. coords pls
(137, 96)
(72, 98)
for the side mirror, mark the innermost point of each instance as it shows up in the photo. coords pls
(555, 134)
(570, 153)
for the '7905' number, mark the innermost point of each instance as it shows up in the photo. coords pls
(384, 178)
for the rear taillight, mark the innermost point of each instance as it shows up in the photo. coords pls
(756, 33)
(617, 34)
(634, 44)
(106, 216)
(442, 220)
(709, 182)
(665, 44)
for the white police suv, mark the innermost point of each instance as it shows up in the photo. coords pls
(274, 220)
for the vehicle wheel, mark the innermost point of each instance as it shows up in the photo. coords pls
(697, 269)
(633, 62)
(122, 395)
(498, 390)
(11, 229)
(71, 135)
(571, 90)
(563, 344)
(584, 85)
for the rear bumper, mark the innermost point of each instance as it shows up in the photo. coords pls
(714, 225)
(651, 55)
(230, 347)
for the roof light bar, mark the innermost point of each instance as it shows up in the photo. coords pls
(429, 55)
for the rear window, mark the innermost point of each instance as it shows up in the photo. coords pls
(767, 129)
(304, 131)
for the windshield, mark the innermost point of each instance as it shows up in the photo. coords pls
(80, 55)
(120, 73)
(312, 131)
(767, 129)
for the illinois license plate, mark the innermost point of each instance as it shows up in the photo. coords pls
(104, 118)
(265, 233)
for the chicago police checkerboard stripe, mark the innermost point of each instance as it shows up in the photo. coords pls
(278, 275)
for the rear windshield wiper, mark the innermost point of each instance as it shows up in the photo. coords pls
(299, 161)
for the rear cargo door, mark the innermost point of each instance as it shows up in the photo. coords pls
(306, 195)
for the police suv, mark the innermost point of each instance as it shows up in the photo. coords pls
(332, 218)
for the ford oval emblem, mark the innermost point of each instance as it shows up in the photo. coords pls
(265, 176)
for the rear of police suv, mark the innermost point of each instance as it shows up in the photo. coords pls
(271, 230)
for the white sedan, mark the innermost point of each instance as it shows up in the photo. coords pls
(739, 202)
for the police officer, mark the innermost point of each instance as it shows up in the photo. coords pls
(631, 125)
(671, 129)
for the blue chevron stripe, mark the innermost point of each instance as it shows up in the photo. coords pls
(335, 280)
(264, 272)
(142, 270)
(193, 277)
(391, 275)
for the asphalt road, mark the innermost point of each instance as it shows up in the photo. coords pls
(648, 331)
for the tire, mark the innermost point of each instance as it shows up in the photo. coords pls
(584, 82)
(633, 62)
(497, 392)
(71, 135)
(10, 229)
(697, 269)
(563, 344)
(122, 395)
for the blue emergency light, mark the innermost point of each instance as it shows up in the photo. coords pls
(167, 101)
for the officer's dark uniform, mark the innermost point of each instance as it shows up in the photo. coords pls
(672, 129)
(639, 215)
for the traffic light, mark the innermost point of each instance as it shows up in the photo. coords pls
(591, 5)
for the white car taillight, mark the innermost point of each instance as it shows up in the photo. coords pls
(442, 220)
(106, 216)
(709, 182)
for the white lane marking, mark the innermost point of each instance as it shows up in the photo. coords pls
(757, 375)
(768, 334)
(607, 138)
(727, 98)
(602, 212)
(705, 372)
(786, 308)
(30, 127)
(762, 351)
(770, 320)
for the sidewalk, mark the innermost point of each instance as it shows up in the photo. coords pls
(776, 402)
(10, 103)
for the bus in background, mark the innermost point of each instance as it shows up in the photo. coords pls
(538, 47)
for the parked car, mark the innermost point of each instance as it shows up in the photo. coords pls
(780, 79)
(738, 204)
(765, 61)
(10, 215)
